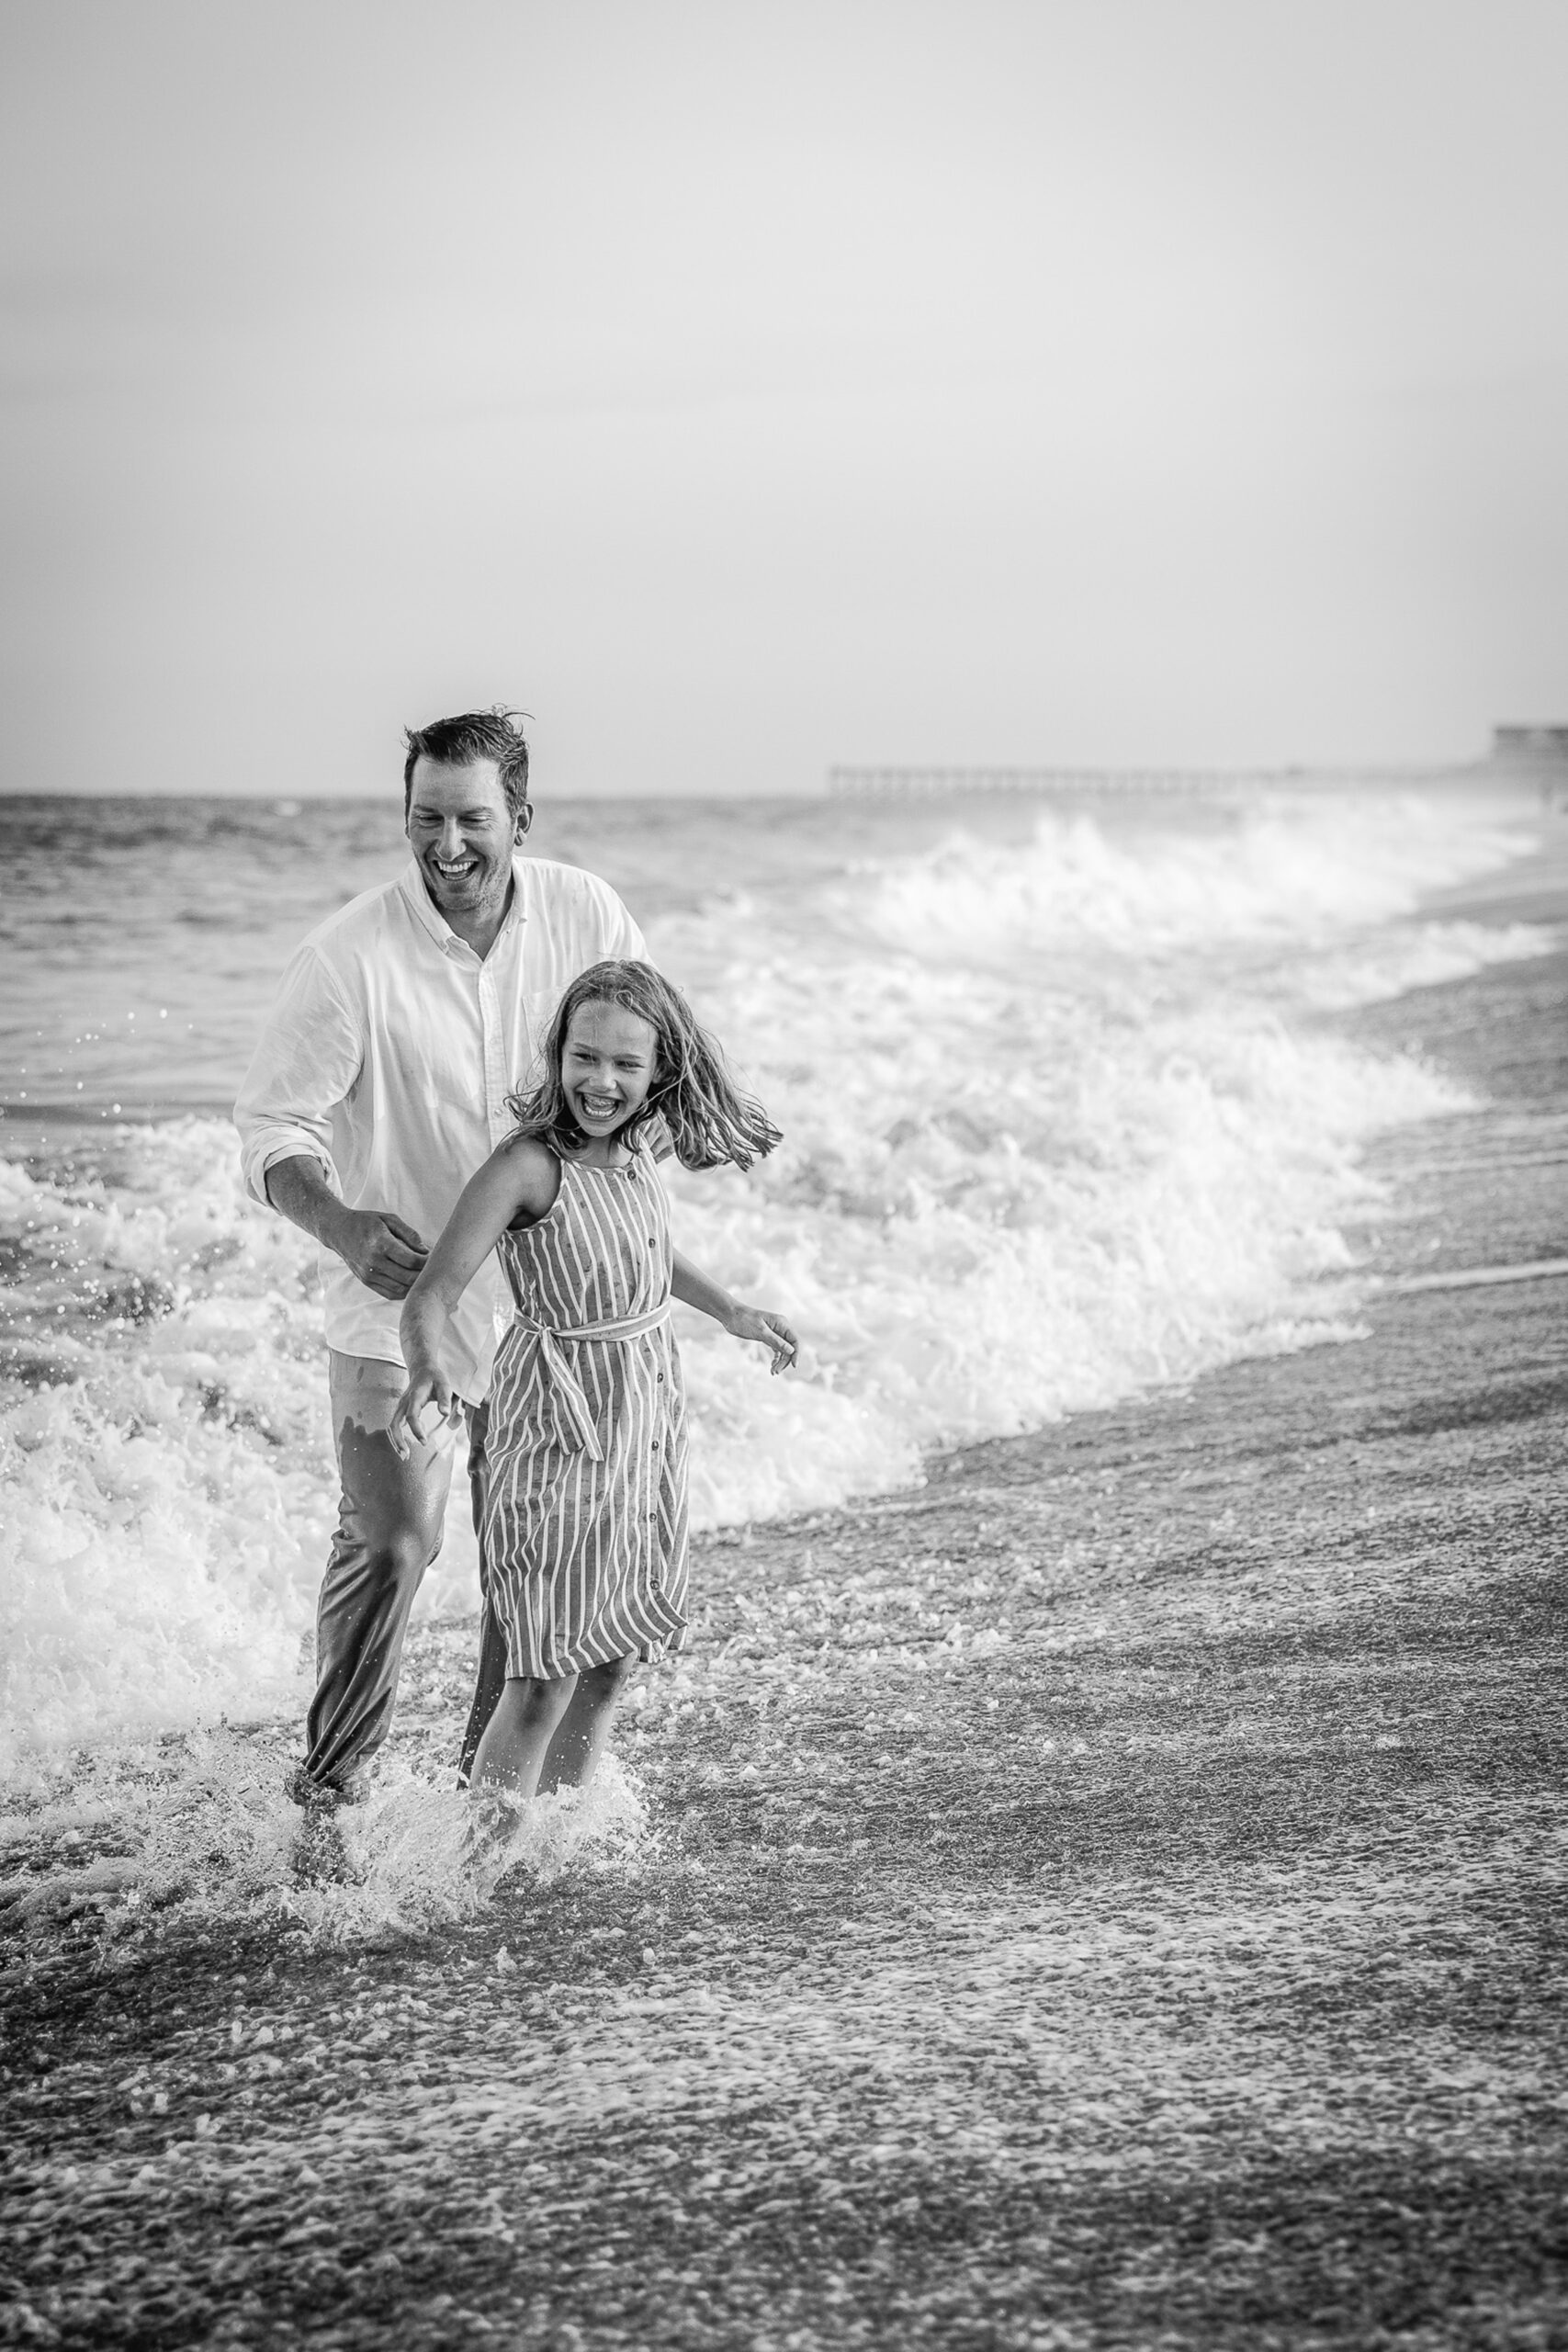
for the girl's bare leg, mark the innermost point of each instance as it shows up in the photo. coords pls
(518, 1736)
(579, 1741)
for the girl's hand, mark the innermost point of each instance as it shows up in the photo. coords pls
(425, 1388)
(756, 1323)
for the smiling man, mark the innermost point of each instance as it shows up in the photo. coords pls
(378, 1086)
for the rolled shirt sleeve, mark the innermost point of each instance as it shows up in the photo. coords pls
(307, 1060)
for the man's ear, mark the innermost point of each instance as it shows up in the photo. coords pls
(524, 818)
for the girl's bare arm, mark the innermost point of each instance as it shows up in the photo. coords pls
(517, 1185)
(693, 1288)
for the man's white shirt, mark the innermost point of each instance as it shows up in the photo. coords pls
(388, 1054)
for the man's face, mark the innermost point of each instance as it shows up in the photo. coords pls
(462, 832)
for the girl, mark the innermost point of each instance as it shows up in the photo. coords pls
(585, 1505)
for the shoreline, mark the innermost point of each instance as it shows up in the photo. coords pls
(1110, 1895)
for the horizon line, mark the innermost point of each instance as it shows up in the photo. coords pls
(873, 778)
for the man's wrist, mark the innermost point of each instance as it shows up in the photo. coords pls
(300, 1187)
(332, 1226)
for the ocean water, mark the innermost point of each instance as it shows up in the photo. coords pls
(1067, 1118)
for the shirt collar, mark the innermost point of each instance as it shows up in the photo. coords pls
(410, 882)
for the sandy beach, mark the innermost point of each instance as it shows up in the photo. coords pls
(1113, 1895)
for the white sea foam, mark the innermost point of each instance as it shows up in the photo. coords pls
(213, 1835)
(1171, 1198)
(1297, 869)
(1059, 1127)
(1411, 956)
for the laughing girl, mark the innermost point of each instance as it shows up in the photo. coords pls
(585, 1509)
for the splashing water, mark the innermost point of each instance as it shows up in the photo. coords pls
(201, 1828)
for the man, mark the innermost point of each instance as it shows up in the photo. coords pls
(378, 1087)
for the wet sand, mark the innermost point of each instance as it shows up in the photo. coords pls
(1112, 1896)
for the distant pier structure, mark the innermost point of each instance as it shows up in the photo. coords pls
(1538, 754)
(1530, 747)
(1208, 784)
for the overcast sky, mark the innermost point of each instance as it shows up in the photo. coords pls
(751, 386)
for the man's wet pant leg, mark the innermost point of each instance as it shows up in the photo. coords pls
(388, 1531)
(491, 1679)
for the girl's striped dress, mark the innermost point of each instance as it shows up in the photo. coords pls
(585, 1509)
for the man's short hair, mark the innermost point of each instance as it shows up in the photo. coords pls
(473, 735)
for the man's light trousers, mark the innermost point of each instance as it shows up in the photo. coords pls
(388, 1531)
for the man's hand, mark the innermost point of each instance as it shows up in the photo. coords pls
(379, 1249)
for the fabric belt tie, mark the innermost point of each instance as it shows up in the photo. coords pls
(574, 1421)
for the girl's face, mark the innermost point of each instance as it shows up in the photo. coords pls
(608, 1065)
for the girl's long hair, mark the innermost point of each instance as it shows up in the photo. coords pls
(709, 1119)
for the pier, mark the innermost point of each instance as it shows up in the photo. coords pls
(935, 783)
(1533, 753)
